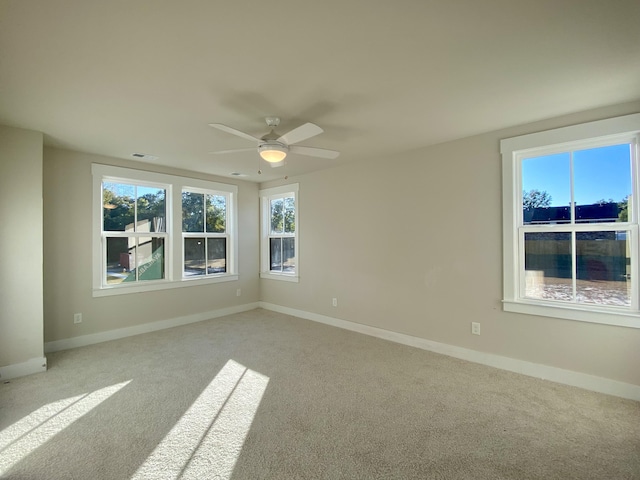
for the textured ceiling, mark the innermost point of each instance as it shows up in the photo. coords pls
(114, 77)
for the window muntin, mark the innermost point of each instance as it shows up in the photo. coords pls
(136, 248)
(570, 222)
(279, 243)
(204, 220)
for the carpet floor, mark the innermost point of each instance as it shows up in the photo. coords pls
(261, 395)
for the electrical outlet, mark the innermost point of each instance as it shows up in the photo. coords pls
(238, 292)
(77, 318)
(475, 328)
(335, 302)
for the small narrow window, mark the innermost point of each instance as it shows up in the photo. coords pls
(279, 243)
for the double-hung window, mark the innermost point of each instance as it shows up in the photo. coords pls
(154, 231)
(570, 222)
(134, 231)
(204, 232)
(279, 226)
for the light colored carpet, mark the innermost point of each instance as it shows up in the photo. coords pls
(260, 395)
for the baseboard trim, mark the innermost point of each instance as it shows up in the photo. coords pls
(554, 374)
(33, 365)
(94, 338)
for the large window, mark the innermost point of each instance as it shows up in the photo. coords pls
(134, 233)
(204, 232)
(155, 231)
(279, 242)
(571, 222)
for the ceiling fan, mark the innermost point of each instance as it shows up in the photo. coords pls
(274, 147)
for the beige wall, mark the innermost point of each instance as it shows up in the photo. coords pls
(413, 244)
(410, 244)
(68, 256)
(21, 246)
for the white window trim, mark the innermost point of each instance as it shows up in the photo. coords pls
(265, 216)
(174, 248)
(232, 244)
(512, 149)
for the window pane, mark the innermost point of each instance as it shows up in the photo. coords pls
(118, 206)
(288, 255)
(216, 213)
(277, 219)
(194, 263)
(123, 256)
(150, 259)
(216, 255)
(602, 183)
(546, 189)
(603, 268)
(289, 215)
(548, 266)
(193, 213)
(275, 255)
(120, 259)
(151, 209)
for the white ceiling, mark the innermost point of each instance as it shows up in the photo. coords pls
(114, 77)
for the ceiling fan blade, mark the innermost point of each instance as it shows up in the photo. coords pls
(314, 152)
(235, 150)
(301, 133)
(233, 131)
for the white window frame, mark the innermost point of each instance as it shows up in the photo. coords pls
(266, 196)
(229, 260)
(173, 249)
(588, 135)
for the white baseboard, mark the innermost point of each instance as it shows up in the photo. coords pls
(558, 375)
(91, 339)
(33, 365)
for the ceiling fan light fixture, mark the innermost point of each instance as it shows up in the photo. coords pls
(272, 152)
(274, 148)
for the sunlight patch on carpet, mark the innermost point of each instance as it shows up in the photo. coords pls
(23, 437)
(207, 440)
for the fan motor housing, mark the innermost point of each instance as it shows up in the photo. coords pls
(273, 145)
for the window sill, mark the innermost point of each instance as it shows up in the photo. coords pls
(602, 315)
(162, 285)
(280, 276)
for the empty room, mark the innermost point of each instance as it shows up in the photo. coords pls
(319, 240)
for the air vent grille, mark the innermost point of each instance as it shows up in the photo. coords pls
(144, 156)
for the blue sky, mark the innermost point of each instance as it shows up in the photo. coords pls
(599, 173)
